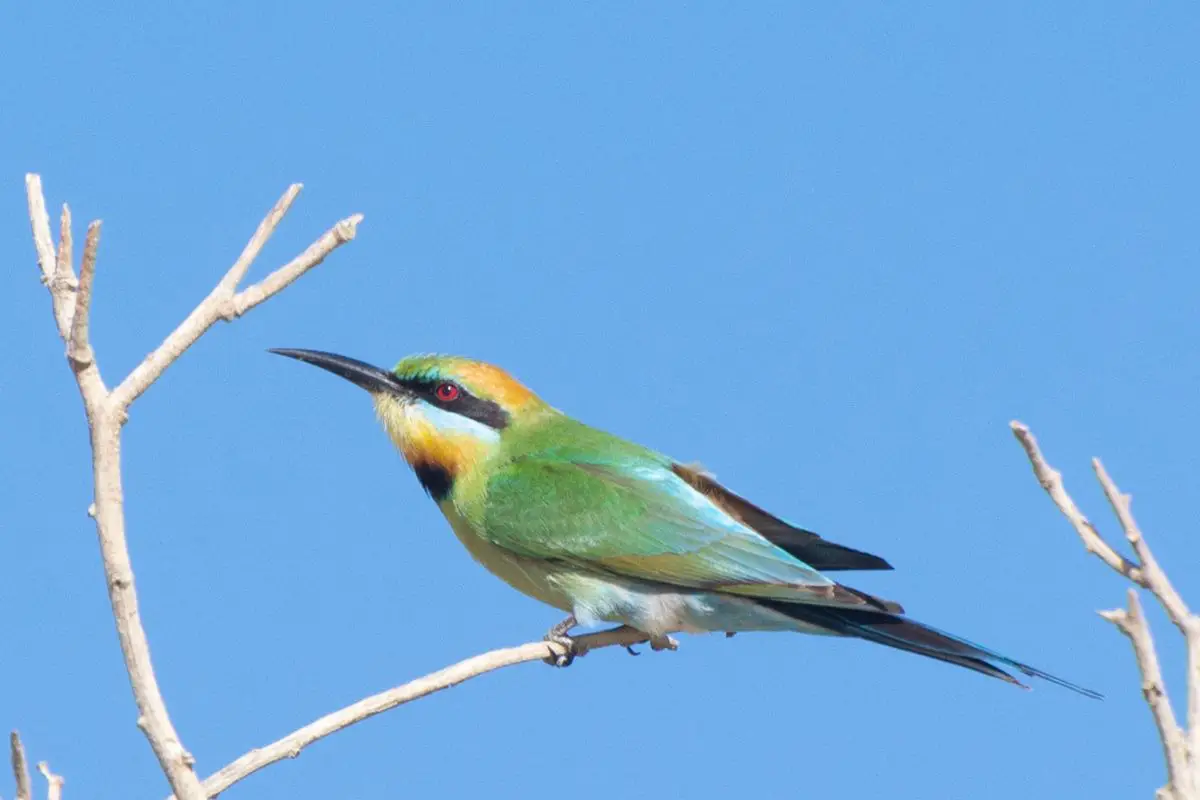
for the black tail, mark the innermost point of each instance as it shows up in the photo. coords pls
(905, 634)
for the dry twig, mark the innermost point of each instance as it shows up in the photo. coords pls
(79, 350)
(20, 766)
(1132, 622)
(54, 792)
(291, 745)
(1153, 578)
(1181, 748)
(1051, 481)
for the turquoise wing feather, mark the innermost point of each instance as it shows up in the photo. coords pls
(632, 516)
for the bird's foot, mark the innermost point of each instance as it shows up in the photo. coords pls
(570, 648)
(660, 643)
(657, 642)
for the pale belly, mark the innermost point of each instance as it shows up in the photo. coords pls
(657, 609)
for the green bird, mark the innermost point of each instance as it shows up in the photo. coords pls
(608, 530)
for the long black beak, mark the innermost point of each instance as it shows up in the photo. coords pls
(360, 373)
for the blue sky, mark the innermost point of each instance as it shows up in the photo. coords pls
(828, 252)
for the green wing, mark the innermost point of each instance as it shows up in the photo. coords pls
(630, 515)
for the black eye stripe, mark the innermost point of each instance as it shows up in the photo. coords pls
(466, 404)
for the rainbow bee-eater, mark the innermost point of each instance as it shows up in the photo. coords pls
(608, 530)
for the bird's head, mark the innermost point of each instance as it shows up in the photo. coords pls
(444, 413)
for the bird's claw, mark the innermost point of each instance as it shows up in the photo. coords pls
(570, 648)
(629, 649)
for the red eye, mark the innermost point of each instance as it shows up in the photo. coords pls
(446, 392)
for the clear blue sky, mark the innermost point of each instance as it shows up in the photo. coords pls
(828, 252)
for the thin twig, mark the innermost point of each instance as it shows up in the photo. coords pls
(79, 347)
(63, 284)
(281, 278)
(1155, 579)
(56, 781)
(64, 273)
(20, 766)
(1051, 481)
(40, 220)
(1132, 623)
(261, 235)
(222, 303)
(291, 745)
(43, 242)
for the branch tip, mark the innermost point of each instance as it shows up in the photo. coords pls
(258, 240)
(56, 781)
(1051, 481)
(20, 767)
(341, 233)
(39, 218)
(62, 266)
(1152, 576)
(79, 348)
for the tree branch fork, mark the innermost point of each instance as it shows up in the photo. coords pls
(1181, 745)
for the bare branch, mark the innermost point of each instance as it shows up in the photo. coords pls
(79, 348)
(56, 781)
(1154, 578)
(222, 303)
(40, 221)
(291, 745)
(106, 413)
(63, 284)
(110, 524)
(1193, 701)
(1182, 750)
(47, 257)
(20, 766)
(283, 277)
(64, 273)
(153, 719)
(263, 233)
(1132, 623)
(1051, 481)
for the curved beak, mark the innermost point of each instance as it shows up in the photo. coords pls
(360, 373)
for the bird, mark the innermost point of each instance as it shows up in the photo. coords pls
(610, 531)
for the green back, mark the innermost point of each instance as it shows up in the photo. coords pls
(562, 491)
